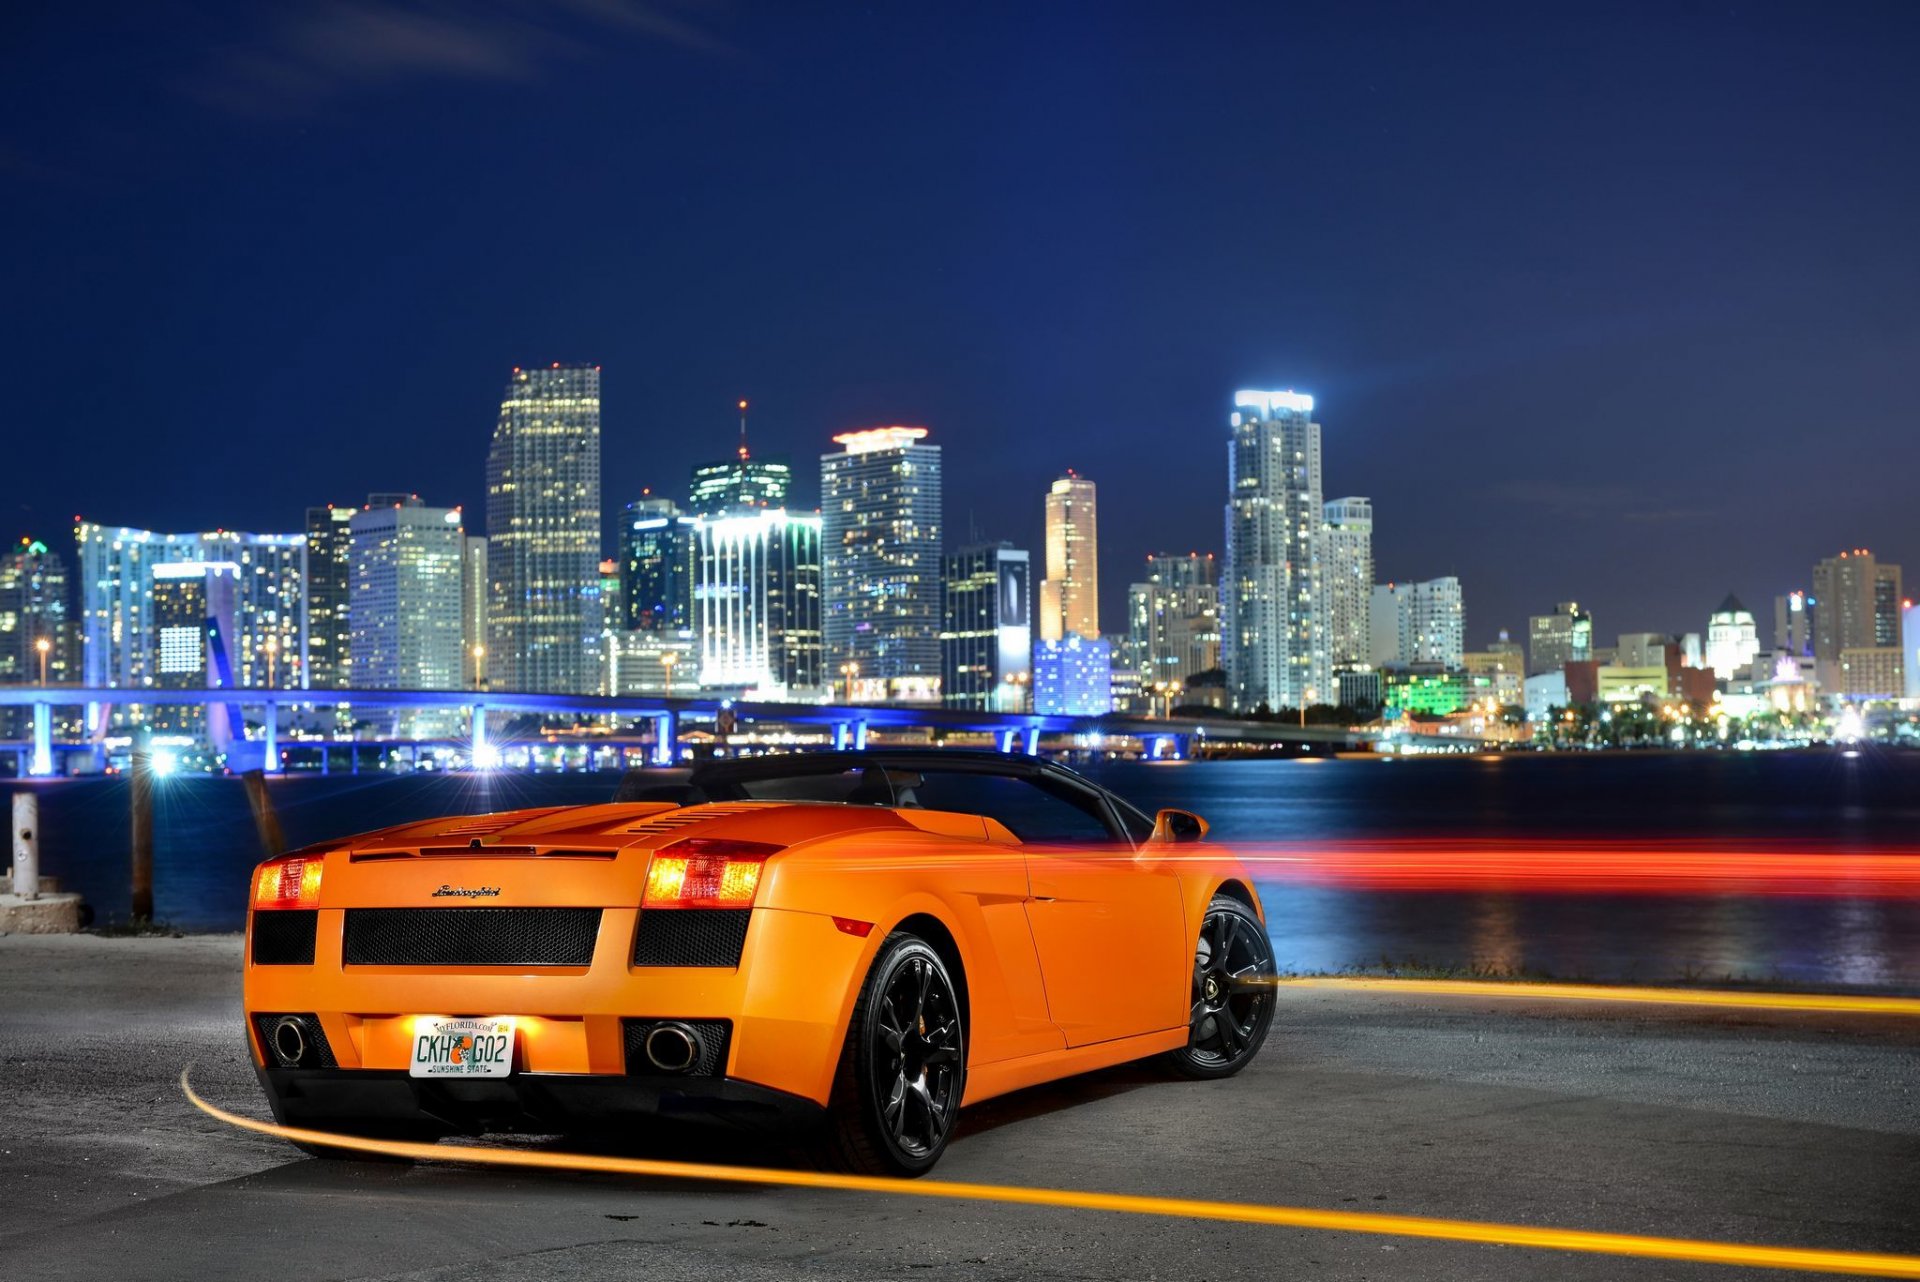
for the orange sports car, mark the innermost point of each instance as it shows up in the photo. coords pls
(850, 944)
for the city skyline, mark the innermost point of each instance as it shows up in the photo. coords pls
(1283, 426)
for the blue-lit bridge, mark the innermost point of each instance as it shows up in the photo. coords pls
(665, 721)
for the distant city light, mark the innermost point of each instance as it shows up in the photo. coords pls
(879, 438)
(1274, 402)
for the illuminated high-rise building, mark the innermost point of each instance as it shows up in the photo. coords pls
(265, 641)
(543, 532)
(473, 608)
(986, 634)
(37, 635)
(1073, 678)
(36, 616)
(1346, 578)
(1733, 638)
(1420, 624)
(1793, 616)
(329, 665)
(1070, 594)
(1910, 648)
(756, 597)
(1272, 626)
(1858, 600)
(1557, 639)
(880, 509)
(656, 566)
(1173, 622)
(407, 608)
(741, 483)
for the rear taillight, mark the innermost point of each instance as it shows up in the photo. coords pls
(707, 872)
(292, 881)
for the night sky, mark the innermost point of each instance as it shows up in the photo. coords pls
(1611, 302)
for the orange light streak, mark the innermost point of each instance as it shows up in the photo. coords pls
(1856, 1263)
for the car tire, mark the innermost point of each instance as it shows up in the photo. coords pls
(1232, 993)
(903, 1069)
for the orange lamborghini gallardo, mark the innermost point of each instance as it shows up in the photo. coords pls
(849, 945)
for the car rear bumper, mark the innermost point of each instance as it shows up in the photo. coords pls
(540, 1103)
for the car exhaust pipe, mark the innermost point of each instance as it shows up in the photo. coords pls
(673, 1048)
(289, 1042)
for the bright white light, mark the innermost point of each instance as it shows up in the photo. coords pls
(165, 763)
(486, 757)
(879, 438)
(1852, 729)
(1275, 402)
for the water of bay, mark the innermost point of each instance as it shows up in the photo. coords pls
(1816, 801)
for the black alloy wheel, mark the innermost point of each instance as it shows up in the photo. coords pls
(904, 1068)
(1232, 992)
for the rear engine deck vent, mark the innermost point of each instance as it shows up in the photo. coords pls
(471, 936)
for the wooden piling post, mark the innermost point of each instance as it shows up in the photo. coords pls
(142, 780)
(266, 821)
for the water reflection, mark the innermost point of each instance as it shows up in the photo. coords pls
(205, 846)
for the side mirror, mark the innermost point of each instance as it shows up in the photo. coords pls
(1178, 826)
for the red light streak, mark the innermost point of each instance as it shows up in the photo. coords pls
(1586, 868)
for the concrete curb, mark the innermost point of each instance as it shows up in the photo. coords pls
(51, 914)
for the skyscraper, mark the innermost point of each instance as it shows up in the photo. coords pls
(543, 532)
(1858, 601)
(1275, 653)
(473, 608)
(1910, 647)
(117, 568)
(1557, 639)
(881, 516)
(656, 566)
(1073, 678)
(36, 616)
(986, 634)
(1732, 638)
(756, 595)
(741, 482)
(1346, 578)
(328, 540)
(1417, 623)
(1793, 616)
(407, 607)
(37, 635)
(1070, 594)
(1173, 621)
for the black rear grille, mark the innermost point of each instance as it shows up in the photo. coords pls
(471, 936)
(711, 1035)
(284, 937)
(691, 936)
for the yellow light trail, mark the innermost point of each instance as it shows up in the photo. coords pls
(1855, 1263)
(1839, 1002)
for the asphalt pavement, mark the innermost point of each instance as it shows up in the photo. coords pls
(1747, 1126)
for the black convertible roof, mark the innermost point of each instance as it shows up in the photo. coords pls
(711, 779)
(966, 760)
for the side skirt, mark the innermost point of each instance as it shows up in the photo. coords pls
(984, 1081)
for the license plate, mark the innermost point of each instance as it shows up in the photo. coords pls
(461, 1048)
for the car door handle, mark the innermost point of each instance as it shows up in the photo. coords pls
(1043, 899)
